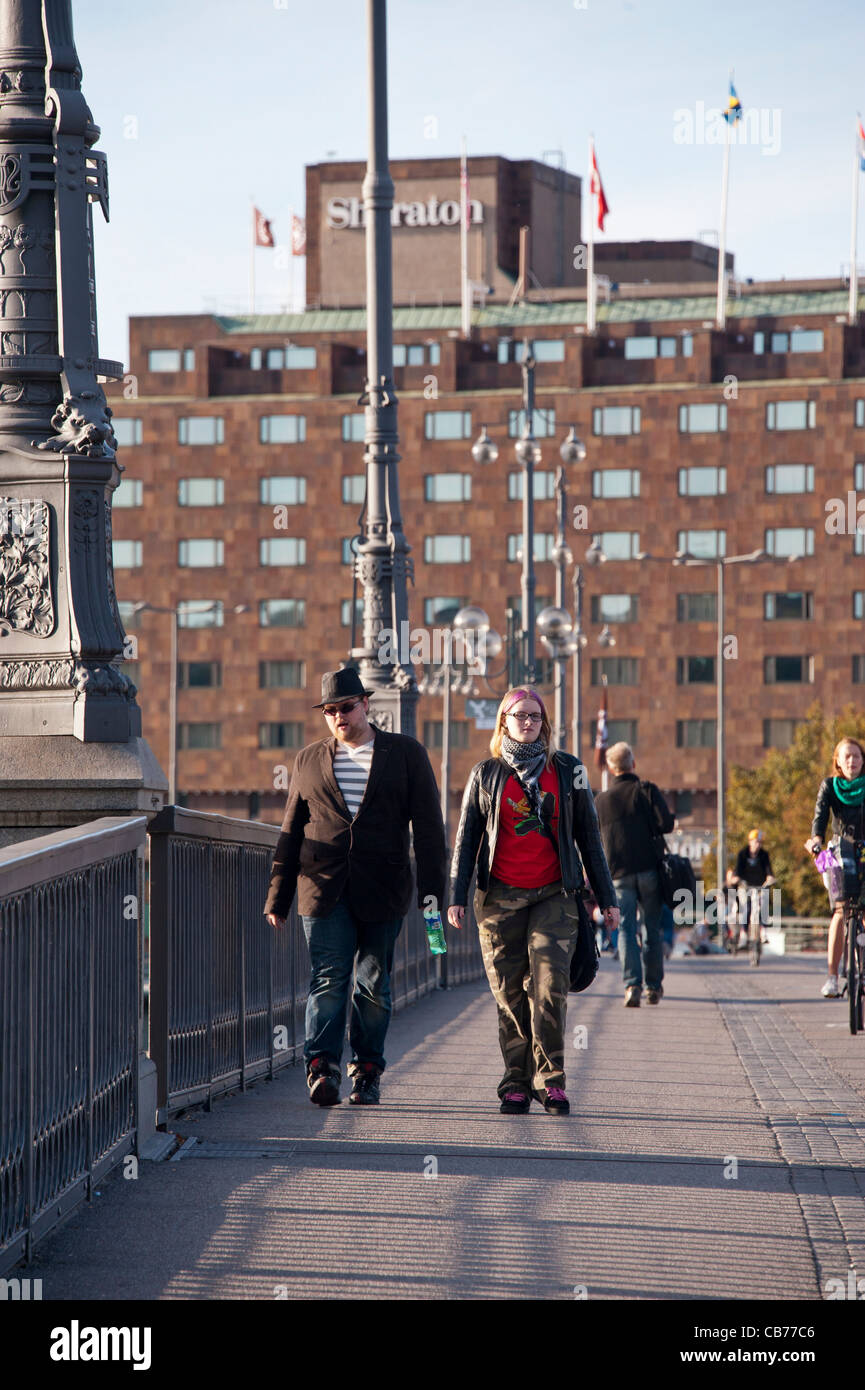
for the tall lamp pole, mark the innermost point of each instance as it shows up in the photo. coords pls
(382, 564)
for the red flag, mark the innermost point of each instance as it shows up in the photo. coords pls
(262, 232)
(298, 235)
(597, 188)
(601, 739)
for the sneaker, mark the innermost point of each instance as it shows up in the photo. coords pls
(555, 1101)
(830, 990)
(323, 1082)
(365, 1085)
(515, 1103)
(654, 996)
(632, 996)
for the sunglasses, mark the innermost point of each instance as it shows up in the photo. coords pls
(332, 710)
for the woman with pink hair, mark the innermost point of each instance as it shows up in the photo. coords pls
(525, 812)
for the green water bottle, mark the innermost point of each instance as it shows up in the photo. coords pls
(435, 931)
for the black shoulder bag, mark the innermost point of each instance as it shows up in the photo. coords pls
(675, 871)
(586, 957)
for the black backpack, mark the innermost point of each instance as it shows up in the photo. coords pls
(675, 871)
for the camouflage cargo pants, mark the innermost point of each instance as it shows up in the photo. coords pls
(527, 939)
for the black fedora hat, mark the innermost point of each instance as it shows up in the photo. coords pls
(340, 685)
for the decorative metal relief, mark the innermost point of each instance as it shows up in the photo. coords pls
(26, 604)
(382, 719)
(83, 425)
(36, 675)
(25, 240)
(102, 679)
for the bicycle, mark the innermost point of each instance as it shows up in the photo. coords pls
(854, 952)
(749, 903)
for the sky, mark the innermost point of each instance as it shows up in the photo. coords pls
(207, 104)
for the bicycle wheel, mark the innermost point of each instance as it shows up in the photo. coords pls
(853, 924)
(755, 943)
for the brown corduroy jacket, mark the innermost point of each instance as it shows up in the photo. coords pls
(325, 855)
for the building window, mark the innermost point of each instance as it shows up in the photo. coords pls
(616, 482)
(543, 485)
(282, 550)
(622, 731)
(255, 359)
(126, 555)
(447, 550)
(696, 608)
(616, 419)
(200, 554)
(639, 348)
(799, 340)
(277, 675)
(416, 354)
(163, 360)
(354, 489)
(615, 608)
(620, 545)
(345, 612)
(784, 541)
(778, 607)
(200, 612)
(702, 482)
(619, 670)
(286, 491)
(702, 419)
(286, 734)
(859, 670)
(459, 733)
(788, 670)
(290, 358)
(447, 487)
(198, 675)
(199, 735)
(859, 414)
(543, 545)
(695, 670)
(447, 424)
(515, 602)
(778, 733)
(859, 542)
(859, 603)
(128, 431)
(543, 424)
(129, 493)
(282, 429)
(790, 477)
(201, 429)
(791, 415)
(440, 612)
(354, 428)
(859, 475)
(543, 350)
(349, 549)
(200, 492)
(282, 612)
(130, 614)
(704, 545)
(695, 733)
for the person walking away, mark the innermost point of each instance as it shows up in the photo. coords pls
(525, 812)
(344, 848)
(841, 796)
(632, 816)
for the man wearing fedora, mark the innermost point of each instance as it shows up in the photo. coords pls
(345, 848)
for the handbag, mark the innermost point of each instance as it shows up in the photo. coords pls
(586, 956)
(675, 871)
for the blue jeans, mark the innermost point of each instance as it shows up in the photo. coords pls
(645, 889)
(337, 943)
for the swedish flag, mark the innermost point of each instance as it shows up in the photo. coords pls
(733, 112)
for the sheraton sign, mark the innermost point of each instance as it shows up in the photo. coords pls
(350, 212)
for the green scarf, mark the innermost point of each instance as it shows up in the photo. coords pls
(852, 792)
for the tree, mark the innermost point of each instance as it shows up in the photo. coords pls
(778, 796)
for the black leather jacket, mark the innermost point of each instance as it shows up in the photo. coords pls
(847, 821)
(578, 826)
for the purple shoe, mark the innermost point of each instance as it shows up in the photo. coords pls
(515, 1103)
(555, 1101)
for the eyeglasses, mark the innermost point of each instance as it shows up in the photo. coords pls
(332, 710)
(527, 718)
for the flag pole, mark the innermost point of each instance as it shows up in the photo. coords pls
(853, 310)
(252, 257)
(721, 311)
(466, 321)
(590, 244)
(290, 261)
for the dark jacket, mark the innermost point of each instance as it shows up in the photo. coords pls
(754, 877)
(324, 854)
(631, 822)
(847, 821)
(578, 826)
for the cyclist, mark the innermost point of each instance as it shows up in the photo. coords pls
(843, 797)
(753, 870)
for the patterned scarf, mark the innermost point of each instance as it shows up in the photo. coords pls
(850, 791)
(527, 761)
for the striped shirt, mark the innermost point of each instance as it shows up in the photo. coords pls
(351, 769)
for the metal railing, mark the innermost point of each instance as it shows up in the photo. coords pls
(69, 1020)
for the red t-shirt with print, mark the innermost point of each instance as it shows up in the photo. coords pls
(525, 856)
